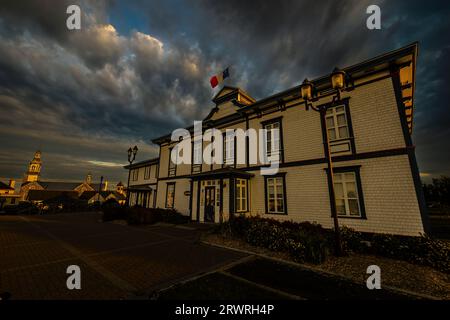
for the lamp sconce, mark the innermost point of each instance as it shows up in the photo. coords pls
(308, 93)
(132, 154)
(340, 80)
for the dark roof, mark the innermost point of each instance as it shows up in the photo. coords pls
(120, 184)
(65, 186)
(86, 195)
(59, 186)
(222, 173)
(233, 91)
(89, 194)
(4, 186)
(42, 195)
(142, 163)
(96, 186)
(140, 188)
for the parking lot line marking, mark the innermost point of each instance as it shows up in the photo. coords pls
(264, 287)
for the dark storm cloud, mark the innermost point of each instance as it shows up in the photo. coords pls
(275, 44)
(85, 96)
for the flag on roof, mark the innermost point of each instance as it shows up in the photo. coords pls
(218, 78)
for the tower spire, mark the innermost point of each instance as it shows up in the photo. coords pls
(34, 168)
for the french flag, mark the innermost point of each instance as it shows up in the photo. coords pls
(218, 78)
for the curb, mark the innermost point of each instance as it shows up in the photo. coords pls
(325, 273)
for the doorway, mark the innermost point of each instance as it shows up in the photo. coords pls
(210, 201)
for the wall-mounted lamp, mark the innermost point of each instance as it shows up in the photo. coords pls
(338, 82)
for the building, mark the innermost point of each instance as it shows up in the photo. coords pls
(32, 181)
(102, 196)
(8, 194)
(143, 183)
(376, 178)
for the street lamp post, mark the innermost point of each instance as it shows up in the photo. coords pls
(131, 157)
(307, 93)
(100, 188)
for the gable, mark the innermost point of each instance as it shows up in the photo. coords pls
(223, 110)
(224, 92)
(228, 100)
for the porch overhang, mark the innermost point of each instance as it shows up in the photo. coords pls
(227, 172)
(139, 188)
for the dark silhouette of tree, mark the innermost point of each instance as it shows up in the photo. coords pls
(438, 191)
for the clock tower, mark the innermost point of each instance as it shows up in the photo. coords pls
(34, 168)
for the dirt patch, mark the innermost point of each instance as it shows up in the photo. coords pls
(395, 273)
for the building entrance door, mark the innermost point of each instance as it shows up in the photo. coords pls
(210, 201)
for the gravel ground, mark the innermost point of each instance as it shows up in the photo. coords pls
(395, 273)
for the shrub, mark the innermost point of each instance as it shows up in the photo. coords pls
(138, 215)
(303, 241)
(352, 241)
(421, 250)
(111, 213)
(307, 242)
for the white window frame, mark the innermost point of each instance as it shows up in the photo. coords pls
(229, 150)
(333, 114)
(172, 172)
(168, 191)
(135, 174)
(272, 137)
(278, 183)
(147, 171)
(241, 195)
(341, 179)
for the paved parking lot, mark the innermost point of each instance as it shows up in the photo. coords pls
(116, 261)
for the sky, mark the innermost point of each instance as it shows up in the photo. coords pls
(139, 69)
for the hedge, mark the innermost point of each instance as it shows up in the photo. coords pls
(307, 242)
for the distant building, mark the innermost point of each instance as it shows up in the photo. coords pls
(32, 181)
(8, 194)
(39, 196)
(143, 183)
(102, 196)
(7, 188)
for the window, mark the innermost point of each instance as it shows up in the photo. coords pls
(273, 139)
(197, 155)
(347, 193)
(147, 172)
(135, 174)
(228, 149)
(156, 171)
(336, 120)
(275, 195)
(170, 195)
(172, 165)
(241, 195)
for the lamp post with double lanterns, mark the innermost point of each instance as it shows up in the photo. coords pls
(308, 93)
(131, 157)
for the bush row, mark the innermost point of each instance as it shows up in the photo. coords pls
(421, 250)
(307, 242)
